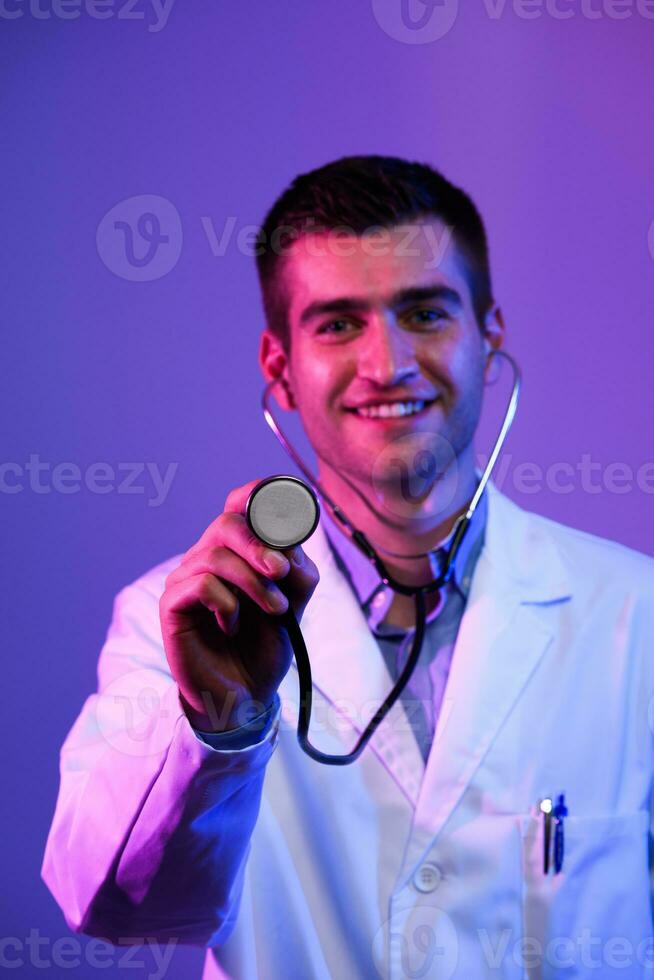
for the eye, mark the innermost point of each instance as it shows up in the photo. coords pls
(325, 328)
(426, 315)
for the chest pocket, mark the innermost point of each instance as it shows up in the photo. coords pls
(593, 918)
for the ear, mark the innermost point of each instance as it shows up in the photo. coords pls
(494, 333)
(274, 364)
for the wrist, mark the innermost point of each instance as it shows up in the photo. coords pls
(249, 712)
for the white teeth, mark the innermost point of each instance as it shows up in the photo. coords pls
(395, 410)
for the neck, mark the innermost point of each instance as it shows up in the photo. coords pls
(391, 522)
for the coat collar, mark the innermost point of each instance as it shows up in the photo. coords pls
(500, 642)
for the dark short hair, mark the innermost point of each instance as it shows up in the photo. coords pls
(360, 193)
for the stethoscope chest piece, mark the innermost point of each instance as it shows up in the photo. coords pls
(282, 511)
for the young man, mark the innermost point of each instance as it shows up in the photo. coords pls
(527, 719)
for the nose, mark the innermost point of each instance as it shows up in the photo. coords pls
(388, 355)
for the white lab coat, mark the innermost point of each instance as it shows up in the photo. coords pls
(289, 868)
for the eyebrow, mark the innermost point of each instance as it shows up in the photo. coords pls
(351, 304)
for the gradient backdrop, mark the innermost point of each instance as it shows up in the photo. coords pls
(200, 114)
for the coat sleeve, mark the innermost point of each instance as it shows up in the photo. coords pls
(152, 826)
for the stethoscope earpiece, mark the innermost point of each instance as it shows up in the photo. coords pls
(282, 511)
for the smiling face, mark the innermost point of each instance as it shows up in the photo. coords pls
(376, 320)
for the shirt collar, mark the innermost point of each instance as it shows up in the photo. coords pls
(365, 579)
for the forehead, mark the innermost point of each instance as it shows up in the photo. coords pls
(336, 263)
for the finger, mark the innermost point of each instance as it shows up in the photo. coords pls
(301, 581)
(233, 571)
(235, 502)
(231, 530)
(236, 499)
(179, 604)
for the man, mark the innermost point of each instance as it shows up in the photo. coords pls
(527, 719)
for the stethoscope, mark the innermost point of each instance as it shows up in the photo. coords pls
(283, 511)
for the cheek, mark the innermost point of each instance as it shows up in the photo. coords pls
(313, 390)
(466, 365)
(315, 379)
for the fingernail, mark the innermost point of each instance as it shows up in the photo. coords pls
(274, 562)
(297, 557)
(280, 601)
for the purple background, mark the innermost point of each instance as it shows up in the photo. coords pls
(545, 121)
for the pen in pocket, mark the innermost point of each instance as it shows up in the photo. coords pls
(560, 811)
(546, 810)
(557, 814)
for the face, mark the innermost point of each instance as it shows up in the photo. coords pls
(384, 319)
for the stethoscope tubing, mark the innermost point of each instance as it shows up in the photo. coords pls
(290, 623)
(289, 620)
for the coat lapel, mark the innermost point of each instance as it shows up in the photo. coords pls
(500, 642)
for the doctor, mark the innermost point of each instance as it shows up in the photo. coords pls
(499, 822)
